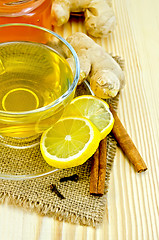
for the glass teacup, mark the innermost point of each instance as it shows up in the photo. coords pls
(36, 82)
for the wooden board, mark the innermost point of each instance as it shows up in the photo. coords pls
(133, 211)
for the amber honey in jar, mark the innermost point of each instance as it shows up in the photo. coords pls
(37, 12)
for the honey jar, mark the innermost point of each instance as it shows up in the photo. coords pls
(37, 12)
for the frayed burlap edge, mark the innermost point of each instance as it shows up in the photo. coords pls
(57, 214)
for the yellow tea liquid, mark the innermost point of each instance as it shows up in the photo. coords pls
(31, 76)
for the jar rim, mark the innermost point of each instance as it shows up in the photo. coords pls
(17, 8)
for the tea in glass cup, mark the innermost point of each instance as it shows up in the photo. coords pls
(36, 81)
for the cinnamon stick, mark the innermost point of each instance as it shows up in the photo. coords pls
(94, 173)
(127, 144)
(98, 169)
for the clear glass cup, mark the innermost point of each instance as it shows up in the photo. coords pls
(36, 83)
(37, 12)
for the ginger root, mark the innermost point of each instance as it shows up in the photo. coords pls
(99, 16)
(104, 74)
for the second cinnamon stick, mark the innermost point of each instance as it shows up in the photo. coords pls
(102, 166)
(98, 169)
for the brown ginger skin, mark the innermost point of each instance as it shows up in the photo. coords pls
(104, 74)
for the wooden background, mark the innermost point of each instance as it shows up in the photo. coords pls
(133, 205)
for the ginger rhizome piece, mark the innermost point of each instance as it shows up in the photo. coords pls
(104, 74)
(99, 16)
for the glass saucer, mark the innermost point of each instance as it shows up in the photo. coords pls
(27, 163)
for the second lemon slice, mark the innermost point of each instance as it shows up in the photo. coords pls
(94, 109)
(69, 142)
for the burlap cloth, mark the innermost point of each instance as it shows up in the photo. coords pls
(35, 195)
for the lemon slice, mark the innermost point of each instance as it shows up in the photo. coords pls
(69, 142)
(94, 109)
